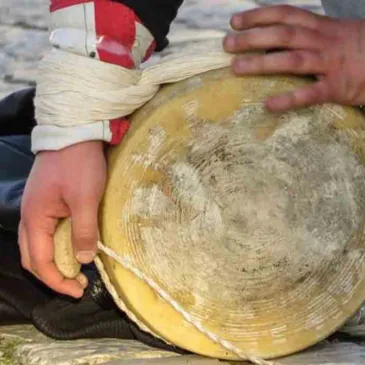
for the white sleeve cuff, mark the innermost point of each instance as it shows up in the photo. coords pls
(54, 138)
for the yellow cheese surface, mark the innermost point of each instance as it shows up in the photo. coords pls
(253, 222)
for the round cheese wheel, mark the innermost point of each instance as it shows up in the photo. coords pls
(253, 222)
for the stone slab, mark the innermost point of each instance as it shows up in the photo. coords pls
(173, 360)
(24, 345)
(327, 353)
(85, 352)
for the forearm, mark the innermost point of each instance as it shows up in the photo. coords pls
(123, 33)
(83, 26)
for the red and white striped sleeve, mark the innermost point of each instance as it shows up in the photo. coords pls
(105, 30)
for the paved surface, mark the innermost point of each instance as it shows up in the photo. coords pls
(23, 31)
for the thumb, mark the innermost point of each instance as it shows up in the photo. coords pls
(84, 221)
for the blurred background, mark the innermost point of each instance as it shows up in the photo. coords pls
(24, 24)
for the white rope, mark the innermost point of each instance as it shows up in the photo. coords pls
(126, 263)
(74, 90)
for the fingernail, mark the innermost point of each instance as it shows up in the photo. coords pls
(240, 66)
(236, 21)
(78, 294)
(229, 42)
(85, 257)
(82, 279)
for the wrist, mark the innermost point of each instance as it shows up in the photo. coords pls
(54, 138)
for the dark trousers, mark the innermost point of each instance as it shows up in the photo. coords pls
(22, 298)
(16, 158)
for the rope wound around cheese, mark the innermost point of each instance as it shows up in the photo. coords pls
(106, 31)
(74, 90)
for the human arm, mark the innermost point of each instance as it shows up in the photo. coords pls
(68, 177)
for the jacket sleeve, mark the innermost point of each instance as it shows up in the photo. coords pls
(123, 33)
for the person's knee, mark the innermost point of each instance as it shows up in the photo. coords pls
(15, 164)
